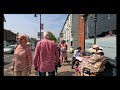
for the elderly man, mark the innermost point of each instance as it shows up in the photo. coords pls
(46, 56)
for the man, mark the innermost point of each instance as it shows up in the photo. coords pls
(76, 53)
(46, 56)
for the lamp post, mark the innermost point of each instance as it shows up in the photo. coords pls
(40, 24)
(95, 20)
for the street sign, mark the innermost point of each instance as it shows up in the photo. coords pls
(41, 26)
(39, 35)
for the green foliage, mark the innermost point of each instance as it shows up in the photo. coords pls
(52, 37)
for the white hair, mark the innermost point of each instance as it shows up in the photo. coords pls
(47, 34)
(23, 36)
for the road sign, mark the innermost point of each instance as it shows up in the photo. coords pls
(41, 35)
(41, 26)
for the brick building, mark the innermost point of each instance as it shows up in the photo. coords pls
(9, 37)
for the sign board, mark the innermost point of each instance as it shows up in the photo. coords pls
(41, 26)
(39, 35)
(107, 43)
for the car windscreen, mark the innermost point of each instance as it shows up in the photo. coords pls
(9, 47)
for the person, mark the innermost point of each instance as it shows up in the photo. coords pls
(110, 34)
(22, 58)
(92, 62)
(76, 53)
(46, 55)
(58, 65)
(63, 52)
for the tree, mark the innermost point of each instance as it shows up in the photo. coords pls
(52, 37)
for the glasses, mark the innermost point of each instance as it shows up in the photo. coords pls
(19, 38)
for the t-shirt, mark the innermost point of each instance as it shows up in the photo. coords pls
(63, 48)
(76, 53)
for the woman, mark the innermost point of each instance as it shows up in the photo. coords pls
(22, 59)
(58, 65)
(92, 63)
(63, 52)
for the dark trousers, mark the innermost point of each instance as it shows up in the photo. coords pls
(56, 68)
(73, 61)
(49, 73)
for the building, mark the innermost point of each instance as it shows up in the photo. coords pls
(105, 23)
(80, 27)
(9, 37)
(70, 31)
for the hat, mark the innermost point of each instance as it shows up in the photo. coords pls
(99, 51)
(100, 48)
(94, 47)
(92, 50)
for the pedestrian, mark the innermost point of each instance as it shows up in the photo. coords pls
(63, 52)
(59, 64)
(22, 58)
(76, 54)
(46, 55)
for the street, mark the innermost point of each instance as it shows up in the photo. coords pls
(8, 60)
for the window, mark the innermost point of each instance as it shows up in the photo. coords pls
(71, 43)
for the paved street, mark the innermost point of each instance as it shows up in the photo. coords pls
(62, 71)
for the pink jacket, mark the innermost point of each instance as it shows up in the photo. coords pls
(46, 56)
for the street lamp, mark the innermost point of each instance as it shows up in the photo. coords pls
(95, 20)
(61, 34)
(40, 24)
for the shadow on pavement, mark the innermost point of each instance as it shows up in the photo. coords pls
(66, 73)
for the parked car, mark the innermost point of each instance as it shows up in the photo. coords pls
(9, 49)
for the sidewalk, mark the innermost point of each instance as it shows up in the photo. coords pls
(62, 71)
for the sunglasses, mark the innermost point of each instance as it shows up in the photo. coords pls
(19, 38)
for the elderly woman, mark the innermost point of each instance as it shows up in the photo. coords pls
(92, 63)
(22, 59)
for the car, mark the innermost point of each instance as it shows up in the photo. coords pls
(9, 49)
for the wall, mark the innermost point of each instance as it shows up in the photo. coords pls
(75, 29)
(81, 33)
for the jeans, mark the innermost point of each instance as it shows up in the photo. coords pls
(49, 73)
(73, 61)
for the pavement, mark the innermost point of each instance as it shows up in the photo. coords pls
(62, 71)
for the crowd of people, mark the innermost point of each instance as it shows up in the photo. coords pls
(48, 56)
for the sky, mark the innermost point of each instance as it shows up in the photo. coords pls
(30, 25)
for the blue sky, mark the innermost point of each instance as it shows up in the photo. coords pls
(30, 25)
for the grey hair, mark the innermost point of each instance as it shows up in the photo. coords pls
(47, 34)
(23, 36)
